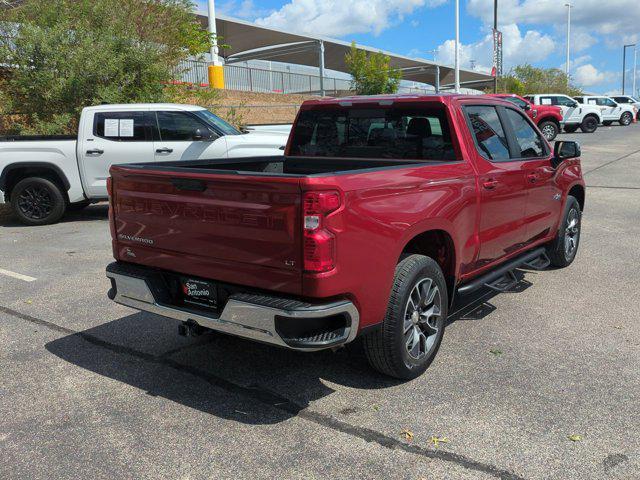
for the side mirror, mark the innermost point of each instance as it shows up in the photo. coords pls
(527, 107)
(563, 150)
(200, 134)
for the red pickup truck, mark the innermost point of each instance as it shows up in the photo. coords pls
(548, 118)
(382, 210)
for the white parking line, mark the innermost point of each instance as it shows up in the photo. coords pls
(19, 276)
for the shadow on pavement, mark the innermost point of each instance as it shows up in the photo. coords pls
(144, 351)
(98, 211)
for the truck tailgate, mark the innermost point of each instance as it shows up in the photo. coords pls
(228, 227)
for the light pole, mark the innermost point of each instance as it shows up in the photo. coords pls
(457, 49)
(569, 7)
(495, 46)
(624, 66)
(635, 63)
(215, 69)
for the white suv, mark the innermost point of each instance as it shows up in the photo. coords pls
(611, 110)
(628, 100)
(575, 115)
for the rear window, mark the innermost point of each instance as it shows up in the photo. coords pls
(395, 133)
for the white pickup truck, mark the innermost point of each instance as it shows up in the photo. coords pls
(610, 110)
(585, 117)
(41, 177)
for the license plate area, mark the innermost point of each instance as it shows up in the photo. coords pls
(197, 293)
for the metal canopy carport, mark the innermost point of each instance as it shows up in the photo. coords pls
(250, 41)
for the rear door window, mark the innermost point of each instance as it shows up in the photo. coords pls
(488, 132)
(375, 132)
(123, 126)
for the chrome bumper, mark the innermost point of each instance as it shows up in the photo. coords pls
(244, 315)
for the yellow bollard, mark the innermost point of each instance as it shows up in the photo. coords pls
(216, 76)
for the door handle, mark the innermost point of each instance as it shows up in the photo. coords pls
(95, 151)
(164, 150)
(533, 177)
(490, 184)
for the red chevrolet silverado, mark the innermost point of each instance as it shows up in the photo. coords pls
(548, 118)
(382, 210)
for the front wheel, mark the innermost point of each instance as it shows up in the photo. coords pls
(38, 201)
(589, 124)
(413, 326)
(549, 130)
(626, 119)
(562, 251)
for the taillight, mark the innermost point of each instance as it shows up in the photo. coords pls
(319, 241)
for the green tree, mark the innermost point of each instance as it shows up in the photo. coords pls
(372, 74)
(529, 79)
(64, 55)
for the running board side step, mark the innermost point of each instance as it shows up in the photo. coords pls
(503, 278)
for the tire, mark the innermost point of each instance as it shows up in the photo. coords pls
(549, 130)
(558, 251)
(607, 123)
(626, 119)
(407, 342)
(38, 201)
(570, 128)
(589, 124)
(77, 206)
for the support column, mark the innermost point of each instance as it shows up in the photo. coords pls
(321, 65)
(437, 85)
(216, 69)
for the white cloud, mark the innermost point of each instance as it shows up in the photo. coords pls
(611, 19)
(517, 48)
(342, 17)
(588, 76)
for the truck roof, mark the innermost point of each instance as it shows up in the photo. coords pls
(391, 98)
(145, 106)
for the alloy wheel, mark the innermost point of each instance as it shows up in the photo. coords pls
(422, 317)
(36, 202)
(572, 233)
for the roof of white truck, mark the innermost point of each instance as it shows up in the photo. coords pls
(145, 106)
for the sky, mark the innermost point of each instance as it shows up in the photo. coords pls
(534, 31)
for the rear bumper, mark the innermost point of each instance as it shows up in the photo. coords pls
(285, 322)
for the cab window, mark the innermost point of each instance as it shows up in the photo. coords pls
(488, 132)
(529, 141)
(123, 126)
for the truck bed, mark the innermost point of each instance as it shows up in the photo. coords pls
(275, 165)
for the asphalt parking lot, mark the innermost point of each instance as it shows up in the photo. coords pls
(91, 389)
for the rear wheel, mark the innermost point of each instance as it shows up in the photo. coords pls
(38, 201)
(413, 326)
(549, 130)
(626, 119)
(562, 251)
(589, 124)
(570, 128)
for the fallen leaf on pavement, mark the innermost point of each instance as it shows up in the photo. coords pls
(496, 351)
(575, 438)
(438, 440)
(408, 434)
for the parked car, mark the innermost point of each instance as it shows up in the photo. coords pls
(381, 211)
(628, 100)
(43, 176)
(548, 118)
(610, 110)
(585, 117)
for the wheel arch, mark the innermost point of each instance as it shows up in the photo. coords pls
(578, 192)
(438, 244)
(15, 172)
(550, 118)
